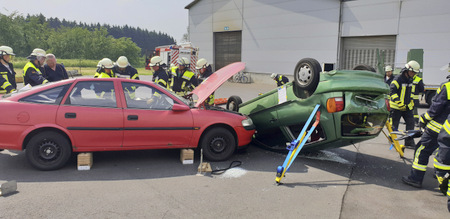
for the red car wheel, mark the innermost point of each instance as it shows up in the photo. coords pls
(48, 151)
(218, 144)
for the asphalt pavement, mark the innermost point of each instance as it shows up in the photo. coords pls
(357, 181)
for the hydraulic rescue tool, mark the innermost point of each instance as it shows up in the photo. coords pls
(297, 144)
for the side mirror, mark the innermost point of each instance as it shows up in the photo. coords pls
(179, 107)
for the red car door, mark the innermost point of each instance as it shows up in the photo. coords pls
(91, 115)
(149, 120)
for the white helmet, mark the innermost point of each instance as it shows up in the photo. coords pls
(6, 50)
(183, 61)
(413, 66)
(155, 61)
(273, 75)
(122, 62)
(388, 68)
(106, 63)
(38, 52)
(201, 63)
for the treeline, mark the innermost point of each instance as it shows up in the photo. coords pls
(71, 40)
(145, 39)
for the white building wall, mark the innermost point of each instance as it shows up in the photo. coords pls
(426, 25)
(278, 33)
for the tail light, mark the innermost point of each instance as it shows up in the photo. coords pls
(387, 104)
(335, 104)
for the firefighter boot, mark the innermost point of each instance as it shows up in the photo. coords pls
(415, 179)
(442, 177)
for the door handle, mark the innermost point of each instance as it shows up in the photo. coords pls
(70, 115)
(132, 117)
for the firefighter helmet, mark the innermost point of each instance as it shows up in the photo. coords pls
(106, 63)
(388, 68)
(183, 62)
(122, 62)
(6, 50)
(413, 66)
(38, 52)
(201, 63)
(273, 75)
(155, 61)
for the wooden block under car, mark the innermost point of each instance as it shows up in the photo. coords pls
(187, 156)
(204, 168)
(85, 161)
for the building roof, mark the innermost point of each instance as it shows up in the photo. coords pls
(191, 4)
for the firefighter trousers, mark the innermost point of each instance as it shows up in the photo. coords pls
(408, 116)
(415, 111)
(426, 146)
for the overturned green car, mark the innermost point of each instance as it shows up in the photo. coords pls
(354, 107)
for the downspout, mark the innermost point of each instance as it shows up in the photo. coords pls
(338, 55)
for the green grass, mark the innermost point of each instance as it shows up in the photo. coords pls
(85, 66)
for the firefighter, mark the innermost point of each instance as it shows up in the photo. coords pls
(432, 121)
(418, 87)
(183, 80)
(160, 75)
(442, 160)
(99, 69)
(106, 70)
(401, 100)
(8, 75)
(388, 76)
(205, 71)
(123, 67)
(280, 79)
(32, 70)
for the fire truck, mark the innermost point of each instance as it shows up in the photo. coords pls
(170, 54)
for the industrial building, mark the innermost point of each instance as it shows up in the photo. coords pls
(271, 36)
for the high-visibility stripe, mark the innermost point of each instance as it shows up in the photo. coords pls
(416, 164)
(446, 126)
(427, 116)
(396, 84)
(440, 165)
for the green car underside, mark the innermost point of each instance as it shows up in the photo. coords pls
(363, 117)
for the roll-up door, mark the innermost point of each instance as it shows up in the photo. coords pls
(362, 50)
(227, 48)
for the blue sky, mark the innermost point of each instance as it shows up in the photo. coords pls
(168, 16)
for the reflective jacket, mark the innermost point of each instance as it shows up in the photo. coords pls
(281, 79)
(208, 72)
(106, 75)
(161, 77)
(418, 87)
(401, 95)
(8, 78)
(32, 75)
(129, 70)
(439, 109)
(183, 82)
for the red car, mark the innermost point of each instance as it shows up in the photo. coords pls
(51, 121)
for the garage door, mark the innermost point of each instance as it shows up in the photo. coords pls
(362, 50)
(227, 48)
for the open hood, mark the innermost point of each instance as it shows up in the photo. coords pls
(208, 86)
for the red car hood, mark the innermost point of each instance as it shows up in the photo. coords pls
(208, 86)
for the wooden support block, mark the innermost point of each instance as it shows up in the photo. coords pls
(85, 161)
(187, 156)
(204, 167)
